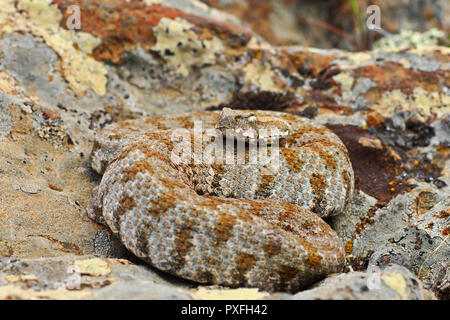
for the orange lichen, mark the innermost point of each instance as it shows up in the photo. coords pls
(374, 119)
(443, 214)
(132, 23)
(53, 187)
(51, 115)
(392, 76)
(349, 245)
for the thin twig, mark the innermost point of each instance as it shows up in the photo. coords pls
(430, 254)
(346, 36)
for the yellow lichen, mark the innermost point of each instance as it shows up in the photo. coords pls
(229, 294)
(93, 267)
(427, 49)
(431, 102)
(397, 283)
(389, 102)
(7, 83)
(20, 278)
(261, 75)
(150, 2)
(424, 101)
(15, 292)
(256, 44)
(42, 12)
(346, 81)
(181, 47)
(359, 57)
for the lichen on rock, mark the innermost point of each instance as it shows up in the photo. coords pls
(130, 59)
(178, 43)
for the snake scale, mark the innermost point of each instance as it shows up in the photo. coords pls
(233, 224)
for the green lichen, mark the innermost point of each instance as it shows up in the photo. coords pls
(411, 39)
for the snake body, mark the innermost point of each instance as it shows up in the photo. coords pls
(237, 225)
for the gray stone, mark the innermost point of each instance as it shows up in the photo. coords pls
(400, 212)
(344, 223)
(392, 283)
(423, 248)
(5, 116)
(85, 277)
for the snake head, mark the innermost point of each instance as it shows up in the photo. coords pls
(248, 126)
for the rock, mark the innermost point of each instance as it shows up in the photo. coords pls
(422, 247)
(45, 188)
(84, 277)
(412, 231)
(59, 85)
(5, 116)
(391, 283)
(127, 290)
(407, 38)
(359, 206)
(372, 227)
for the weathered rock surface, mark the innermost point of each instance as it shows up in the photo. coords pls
(92, 277)
(85, 277)
(57, 86)
(391, 283)
(422, 247)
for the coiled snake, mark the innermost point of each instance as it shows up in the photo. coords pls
(233, 224)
